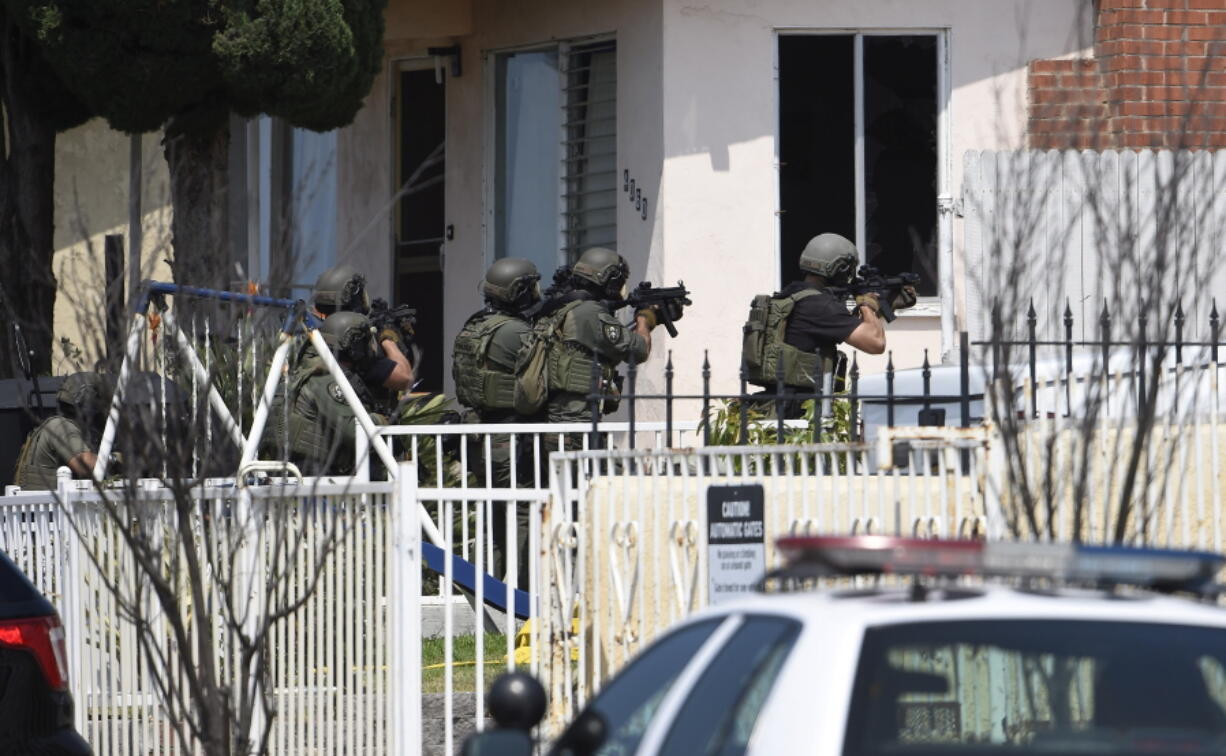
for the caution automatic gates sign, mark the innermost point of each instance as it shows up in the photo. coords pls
(736, 541)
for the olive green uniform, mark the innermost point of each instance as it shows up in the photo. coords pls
(585, 330)
(49, 447)
(322, 425)
(484, 360)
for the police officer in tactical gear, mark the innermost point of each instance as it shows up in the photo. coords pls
(343, 289)
(484, 364)
(581, 330)
(68, 439)
(819, 320)
(321, 423)
(487, 347)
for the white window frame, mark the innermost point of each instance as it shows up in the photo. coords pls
(942, 304)
(489, 181)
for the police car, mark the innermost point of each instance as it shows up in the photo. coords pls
(928, 647)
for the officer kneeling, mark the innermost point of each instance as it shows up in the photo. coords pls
(321, 421)
(68, 439)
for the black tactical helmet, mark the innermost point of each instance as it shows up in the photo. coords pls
(341, 288)
(350, 336)
(84, 394)
(512, 282)
(830, 256)
(602, 267)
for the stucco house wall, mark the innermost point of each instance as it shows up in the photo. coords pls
(697, 130)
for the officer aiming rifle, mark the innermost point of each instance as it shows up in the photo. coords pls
(667, 302)
(399, 324)
(870, 280)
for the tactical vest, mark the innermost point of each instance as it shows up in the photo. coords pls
(308, 440)
(765, 353)
(26, 474)
(478, 383)
(570, 363)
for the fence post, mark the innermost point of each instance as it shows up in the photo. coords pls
(1032, 320)
(706, 398)
(1142, 349)
(632, 375)
(742, 435)
(853, 402)
(404, 586)
(593, 402)
(889, 389)
(1179, 321)
(70, 582)
(668, 403)
(819, 398)
(1104, 334)
(1214, 328)
(778, 400)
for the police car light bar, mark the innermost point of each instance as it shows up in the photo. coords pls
(1161, 569)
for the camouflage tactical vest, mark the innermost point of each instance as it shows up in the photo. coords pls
(765, 353)
(478, 383)
(310, 439)
(570, 362)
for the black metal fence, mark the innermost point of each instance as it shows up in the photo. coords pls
(1000, 358)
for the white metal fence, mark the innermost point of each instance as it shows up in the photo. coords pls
(616, 551)
(335, 557)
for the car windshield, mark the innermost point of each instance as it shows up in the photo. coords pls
(1039, 686)
(627, 703)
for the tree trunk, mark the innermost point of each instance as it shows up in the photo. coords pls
(27, 213)
(199, 184)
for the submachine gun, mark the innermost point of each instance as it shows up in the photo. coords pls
(671, 301)
(870, 280)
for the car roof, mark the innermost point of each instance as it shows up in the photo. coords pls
(868, 607)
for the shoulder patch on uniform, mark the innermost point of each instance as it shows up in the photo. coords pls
(613, 333)
(334, 391)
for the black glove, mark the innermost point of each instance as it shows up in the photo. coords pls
(675, 308)
(904, 298)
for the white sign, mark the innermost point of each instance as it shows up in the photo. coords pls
(736, 541)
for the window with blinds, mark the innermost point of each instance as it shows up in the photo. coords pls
(555, 152)
(590, 141)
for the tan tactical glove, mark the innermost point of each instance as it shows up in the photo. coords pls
(648, 314)
(869, 300)
(905, 298)
(389, 334)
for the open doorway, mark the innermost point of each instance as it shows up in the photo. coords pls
(420, 220)
(858, 148)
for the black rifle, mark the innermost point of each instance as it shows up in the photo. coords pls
(870, 280)
(561, 283)
(403, 320)
(645, 296)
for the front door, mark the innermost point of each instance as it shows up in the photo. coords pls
(420, 220)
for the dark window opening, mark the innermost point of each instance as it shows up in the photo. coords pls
(900, 156)
(421, 219)
(818, 186)
(817, 174)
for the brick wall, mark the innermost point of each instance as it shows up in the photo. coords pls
(1157, 80)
